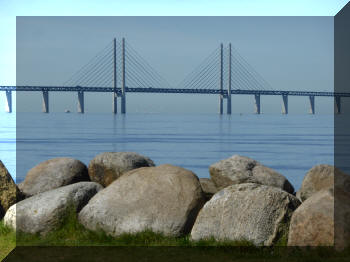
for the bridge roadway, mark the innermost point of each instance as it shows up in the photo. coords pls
(170, 91)
(221, 92)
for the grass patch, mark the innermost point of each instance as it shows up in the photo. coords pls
(72, 234)
(7, 240)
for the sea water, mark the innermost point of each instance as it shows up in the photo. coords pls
(290, 144)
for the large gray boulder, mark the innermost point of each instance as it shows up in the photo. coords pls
(165, 199)
(208, 187)
(239, 169)
(108, 166)
(342, 212)
(44, 212)
(249, 211)
(322, 177)
(9, 193)
(322, 220)
(53, 173)
(312, 223)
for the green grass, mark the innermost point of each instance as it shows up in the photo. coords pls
(72, 233)
(7, 240)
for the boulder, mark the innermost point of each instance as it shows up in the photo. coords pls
(108, 166)
(45, 211)
(52, 174)
(322, 177)
(164, 199)
(208, 187)
(342, 214)
(9, 193)
(239, 169)
(312, 223)
(248, 211)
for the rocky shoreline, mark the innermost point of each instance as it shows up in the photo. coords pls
(125, 192)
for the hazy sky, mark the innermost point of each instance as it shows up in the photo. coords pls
(289, 52)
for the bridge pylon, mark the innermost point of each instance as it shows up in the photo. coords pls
(114, 95)
(123, 96)
(221, 96)
(229, 107)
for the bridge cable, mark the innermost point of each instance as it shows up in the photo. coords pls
(96, 59)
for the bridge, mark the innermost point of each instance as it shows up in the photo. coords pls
(119, 69)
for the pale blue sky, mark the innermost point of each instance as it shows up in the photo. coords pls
(10, 9)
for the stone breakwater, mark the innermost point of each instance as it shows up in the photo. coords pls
(124, 192)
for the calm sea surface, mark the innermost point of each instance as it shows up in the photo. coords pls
(290, 144)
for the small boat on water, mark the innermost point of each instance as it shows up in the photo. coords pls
(67, 111)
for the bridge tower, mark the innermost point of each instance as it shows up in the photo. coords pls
(45, 101)
(229, 107)
(123, 106)
(221, 97)
(9, 101)
(115, 76)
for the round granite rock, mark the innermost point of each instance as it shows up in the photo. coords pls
(109, 166)
(208, 187)
(45, 211)
(322, 177)
(53, 173)
(248, 211)
(240, 169)
(164, 199)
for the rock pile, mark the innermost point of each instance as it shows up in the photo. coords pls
(124, 192)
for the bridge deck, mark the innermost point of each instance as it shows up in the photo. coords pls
(169, 90)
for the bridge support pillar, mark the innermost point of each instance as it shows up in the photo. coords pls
(337, 104)
(229, 105)
(115, 102)
(312, 104)
(45, 101)
(257, 104)
(81, 102)
(285, 104)
(221, 104)
(9, 101)
(123, 104)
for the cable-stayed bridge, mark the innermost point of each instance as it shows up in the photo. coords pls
(119, 69)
